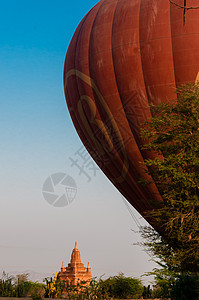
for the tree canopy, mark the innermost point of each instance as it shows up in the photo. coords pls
(173, 133)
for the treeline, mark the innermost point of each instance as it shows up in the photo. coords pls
(119, 287)
(166, 286)
(19, 286)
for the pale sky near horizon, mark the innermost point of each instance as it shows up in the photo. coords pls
(38, 139)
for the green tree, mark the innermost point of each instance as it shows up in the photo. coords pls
(164, 277)
(6, 285)
(122, 287)
(173, 134)
(119, 287)
(19, 286)
(147, 292)
(185, 287)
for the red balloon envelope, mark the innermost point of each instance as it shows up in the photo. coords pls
(124, 55)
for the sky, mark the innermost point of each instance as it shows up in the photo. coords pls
(38, 145)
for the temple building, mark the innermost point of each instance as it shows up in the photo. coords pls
(75, 272)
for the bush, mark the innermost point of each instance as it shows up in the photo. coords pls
(185, 288)
(19, 286)
(122, 287)
(36, 296)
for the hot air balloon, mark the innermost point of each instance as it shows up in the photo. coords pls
(124, 55)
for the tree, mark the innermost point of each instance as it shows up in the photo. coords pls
(173, 134)
(119, 287)
(122, 287)
(54, 287)
(185, 287)
(6, 285)
(19, 286)
(185, 7)
(147, 292)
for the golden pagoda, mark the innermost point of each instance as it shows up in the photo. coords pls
(75, 272)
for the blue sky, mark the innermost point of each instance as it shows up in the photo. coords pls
(37, 140)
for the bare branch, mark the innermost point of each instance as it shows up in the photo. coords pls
(184, 7)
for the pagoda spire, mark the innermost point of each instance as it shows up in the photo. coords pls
(75, 257)
(88, 268)
(75, 245)
(62, 267)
